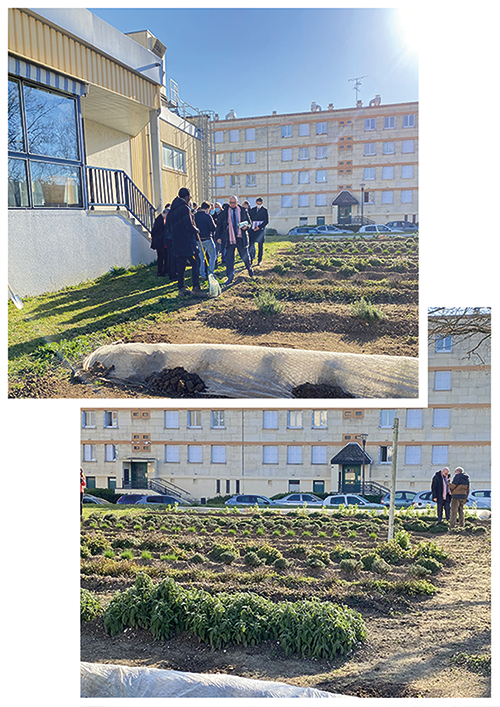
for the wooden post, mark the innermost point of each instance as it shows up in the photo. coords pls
(393, 477)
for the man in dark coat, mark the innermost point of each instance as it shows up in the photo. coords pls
(459, 489)
(184, 242)
(233, 224)
(260, 219)
(441, 493)
(159, 241)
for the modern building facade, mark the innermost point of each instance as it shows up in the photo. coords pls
(201, 453)
(336, 166)
(95, 147)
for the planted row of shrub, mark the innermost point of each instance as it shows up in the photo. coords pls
(307, 628)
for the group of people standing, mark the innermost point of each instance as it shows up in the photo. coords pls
(451, 496)
(184, 235)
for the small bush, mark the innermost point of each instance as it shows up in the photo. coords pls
(366, 311)
(89, 606)
(198, 558)
(430, 563)
(380, 566)
(281, 563)
(402, 537)
(419, 571)
(267, 303)
(350, 566)
(251, 558)
(368, 559)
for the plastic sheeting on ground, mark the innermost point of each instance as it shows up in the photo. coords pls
(105, 680)
(262, 372)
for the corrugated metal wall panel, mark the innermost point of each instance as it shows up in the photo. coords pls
(141, 162)
(37, 41)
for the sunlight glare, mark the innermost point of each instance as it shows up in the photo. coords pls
(408, 23)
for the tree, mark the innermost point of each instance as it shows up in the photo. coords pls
(462, 324)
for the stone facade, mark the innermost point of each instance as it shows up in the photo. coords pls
(299, 163)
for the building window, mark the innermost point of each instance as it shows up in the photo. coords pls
(413, 454)
(321, 128)
(387, 197)
(110, 418)
(370, 149)
(234, 136)
(194, 418)
(294, 419)
(414, 419)
(320, 176)
(218, 454)
(302, 220)
(233, 180)
(112, 483)
(294, 455)
(318, 486)
(406, 196)
(218, 419)
(219, 159)
(219, 182)
(443, 344)
(442, 380)
(269, 454)
(286, 131)
(388, 172)
(368, 197)
(217, 486)
(319, 419)
(195, 453)
(270, 419)
(250, 157)
(234, 158)
(439, 454)
(389, 148)
(407, 171)
(110, 452)
(303, 178)
(370, 123)
(172, 454)
(303, 129)
(286, 202)
(286, 177)
(385, 454)
(293, 486)
(303, 200)
(318, 455)
(408, 146)
(387, 418)
(441, 417)
(369, 173)
(88, 454)
(408, 121)
(173, 158)
(88, 418)
(389, 122)
(320, 199)
(251, 180)
(250, 134)
(228, 486)
(219, 136)
(303, 153)
(321, 152)
(286, 155)
(171, 419)
(90, 482)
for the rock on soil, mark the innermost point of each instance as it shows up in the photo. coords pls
(176, 383)
(311, 390)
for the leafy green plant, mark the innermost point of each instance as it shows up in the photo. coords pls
(90, 606)
(362, 309)
(267, 303)
(429, 563)
(350, 566)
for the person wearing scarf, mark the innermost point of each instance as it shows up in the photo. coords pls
(232, 227)
(441, 493)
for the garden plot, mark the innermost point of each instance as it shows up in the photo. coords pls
(313, 599)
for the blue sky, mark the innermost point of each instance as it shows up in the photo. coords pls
(259, 60)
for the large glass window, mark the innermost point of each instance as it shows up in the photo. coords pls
(174, 159)
(45, 162)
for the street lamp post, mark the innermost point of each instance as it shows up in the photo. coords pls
(362, 199)
(364, 437)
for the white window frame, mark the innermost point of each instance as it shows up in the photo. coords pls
(249, 134)
(303, 200)
(233, 180)
(269, 419)
(322, 128)
(89, 453)
(110, 422)
(442, 380)
(218, 454)
(441, 418)
(173, 158)
(172, 454)
(320, 200)
(194, 419)
(286, 177)
(286, 154)
(294, 454)
(171, 420)
(88, 419)
(389, 148)
(286, 201)
(388, 171)
(407, 147)
(234, 158)
(303, 153)
(414, 418)
(407, 196)
(409, 121)
(386, 420)
(234, 136)
(406, 171)
(319, 173)
(321, 152)
(387, 454)
(303, 178)
(110, 452)
(370, 124)
(286, 131)
(369, 173)
(219, 136)
(195, 454)
(218, 419)
(319, 419)
(270, 454)
(294, 420)
(251, 180)
(219, 159)
(389, 122)
(387, 197)
(444, 344)
(370, 149)
(220, 182)
(319, 454)
(439, 454)
(250, 157)
(413, 455)
(303, 129)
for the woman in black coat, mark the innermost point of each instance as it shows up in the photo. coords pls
(159, 241)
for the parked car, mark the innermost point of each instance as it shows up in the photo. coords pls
(303, 231)
(298, 499)
(373, 230)
(480, 493)
(130, 498)
(404, 226)
(423, 499)
(167, 500)
(402, 499)
(88, 499)
(331, 230)
(350, 499)
(249, 500)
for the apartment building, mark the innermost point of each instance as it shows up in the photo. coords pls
(201, 453)
(323, 166)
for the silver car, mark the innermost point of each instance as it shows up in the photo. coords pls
(247, 499)
(299, 499)
(350, 499)
(374, 229)
(331, 230)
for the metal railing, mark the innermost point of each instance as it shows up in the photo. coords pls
(168, 488)
(113, 187)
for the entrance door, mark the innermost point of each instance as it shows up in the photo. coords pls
(139, 475)
(351, 478)
(345, 214)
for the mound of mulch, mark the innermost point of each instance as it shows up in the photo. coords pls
(312, 390)
(175, 383)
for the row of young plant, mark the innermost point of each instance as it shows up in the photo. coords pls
(308, 628)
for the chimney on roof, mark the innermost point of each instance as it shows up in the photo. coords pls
(330, 106)
(375, 101)
(359, 103)
(231, 115)
(274, 112)
(315, 107)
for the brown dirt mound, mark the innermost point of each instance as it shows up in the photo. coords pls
(310, 390)
(175, 383)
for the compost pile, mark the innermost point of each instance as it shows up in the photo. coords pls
(175, 383)
(312, 390)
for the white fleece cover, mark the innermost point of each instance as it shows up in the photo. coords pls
(260, 371)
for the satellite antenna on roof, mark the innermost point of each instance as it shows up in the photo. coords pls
(358, 84)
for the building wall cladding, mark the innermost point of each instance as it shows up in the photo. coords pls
(452, 431)
(356, 152)
(181, 136)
